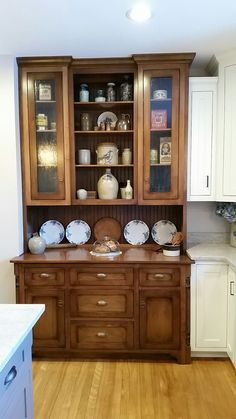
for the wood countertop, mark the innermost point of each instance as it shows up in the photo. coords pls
(81, 254)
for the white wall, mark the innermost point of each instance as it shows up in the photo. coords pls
(11, 240)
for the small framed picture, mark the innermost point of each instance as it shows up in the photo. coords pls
(165, 150)
(159, 119)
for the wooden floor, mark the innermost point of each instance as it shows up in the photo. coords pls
(206, 389)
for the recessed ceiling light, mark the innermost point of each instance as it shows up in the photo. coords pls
(139, 13)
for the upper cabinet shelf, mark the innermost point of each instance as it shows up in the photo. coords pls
(136, 106)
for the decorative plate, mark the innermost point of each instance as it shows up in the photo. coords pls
(107, 117)
(163, 231)
(136, 232)
(52, 231)
(78, 232)
(107, 226)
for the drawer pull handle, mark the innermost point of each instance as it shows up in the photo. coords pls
(160, 276)
(60, 303)
(102, 303)
(10, 376)
(44, 275)
(101, 334)
(101, 275)
(231, 287)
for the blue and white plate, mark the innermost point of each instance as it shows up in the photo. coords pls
(136, 232)
(163, 231)
(78, 232)
(52, 231)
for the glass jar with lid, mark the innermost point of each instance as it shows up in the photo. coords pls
(126, 90)
(111, 93)
(84, 93)
(100, 96)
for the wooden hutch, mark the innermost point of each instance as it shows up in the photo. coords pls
(135, 304)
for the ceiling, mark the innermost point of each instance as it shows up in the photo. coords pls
(99, 28)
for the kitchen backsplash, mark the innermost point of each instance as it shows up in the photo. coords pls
(204, 226)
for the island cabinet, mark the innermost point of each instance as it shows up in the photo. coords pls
(132, 305)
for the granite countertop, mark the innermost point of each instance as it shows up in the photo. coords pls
(16, 321)
(213, 252)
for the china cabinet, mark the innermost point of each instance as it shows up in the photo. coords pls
(202, 138)
(80, 119)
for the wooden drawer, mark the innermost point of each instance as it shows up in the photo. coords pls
(44, 276)
(100, 275)
(152, 277)
(94, 303)
(101, 335)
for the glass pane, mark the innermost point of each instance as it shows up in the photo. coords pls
(46, 135)
(160, 135)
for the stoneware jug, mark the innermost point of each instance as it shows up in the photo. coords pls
(107, 186)
(36, 244)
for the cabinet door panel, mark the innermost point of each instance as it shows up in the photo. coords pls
(231, 329)
(229, 184)
(202, 121)
(211, 306)
(161, 135)
(50, 329)
(160, 319)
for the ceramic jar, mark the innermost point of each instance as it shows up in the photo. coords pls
(84, 93)
(36, 244)
(126, 156)
(107, 186)
(107, 153)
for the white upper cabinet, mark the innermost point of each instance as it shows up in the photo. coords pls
(202, 138)
(226, 130)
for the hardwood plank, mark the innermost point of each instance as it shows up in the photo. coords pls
(205, 389)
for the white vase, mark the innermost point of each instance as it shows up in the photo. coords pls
(107, 186)
(36, 244)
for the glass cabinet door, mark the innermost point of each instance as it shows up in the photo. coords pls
(46, 141)
(161, 113)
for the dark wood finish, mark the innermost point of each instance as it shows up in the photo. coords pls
(50, 329)
(101, 335)
(101, 276)
(107, 226)
(137, 303)
(160, 319)
(67, 279)
(101, 303)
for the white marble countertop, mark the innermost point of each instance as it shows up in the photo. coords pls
(213, 252)
(16, 321)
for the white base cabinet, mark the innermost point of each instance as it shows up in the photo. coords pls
(16, 397)
(202, 138)
(209, 300)
(231, 330)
